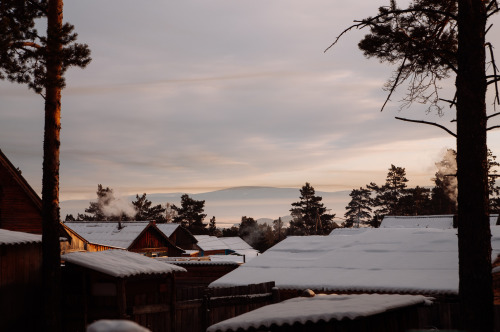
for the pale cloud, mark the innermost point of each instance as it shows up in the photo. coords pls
(201, 95)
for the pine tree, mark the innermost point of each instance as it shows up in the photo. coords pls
(279, 229)
(429, 40)
(147, 211)
(212, 228)
(309, 214)
(190, 215)
(40, 62)
(416, 201)
(359, 208)
(387, 197)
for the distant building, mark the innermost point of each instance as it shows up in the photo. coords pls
(442, 221)
(136, 236)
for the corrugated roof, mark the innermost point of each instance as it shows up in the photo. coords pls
(431, 221)
(120, 263)
(13, 238)
(108, 233)
(206, 242)
(319, 308)
(167, 228)
(394, 260)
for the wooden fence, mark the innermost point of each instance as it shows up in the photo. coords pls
(198, 307)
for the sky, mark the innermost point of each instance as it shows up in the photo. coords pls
(195, 95)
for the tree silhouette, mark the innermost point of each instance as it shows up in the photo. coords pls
(27, 57)
(309, 214)
(430, 40)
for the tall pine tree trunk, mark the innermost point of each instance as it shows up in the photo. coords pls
(475, 288)
(50, 182)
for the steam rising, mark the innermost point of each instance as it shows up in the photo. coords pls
(112, 206)
(448, 169)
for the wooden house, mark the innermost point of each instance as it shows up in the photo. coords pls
(20, 280)
(118, 284)
(20, 205)
(179, 236)
(200, 272)
(212, 245)
(416, 261)
(135, 236)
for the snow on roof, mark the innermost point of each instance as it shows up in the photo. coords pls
(433, 221)
(235, 242)
(239, 246)
(11, 237)
(321, 307)
(196, 262)
(395, 260)
(493, 219)
(120, 263)
(119, 325)
(206, 242)
(107, 233)
(167, 228)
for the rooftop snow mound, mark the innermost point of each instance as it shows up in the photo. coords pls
(13, 238)
(120, 263)
(321, 307)
(389, 260)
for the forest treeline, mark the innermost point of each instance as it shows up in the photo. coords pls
(309, 216)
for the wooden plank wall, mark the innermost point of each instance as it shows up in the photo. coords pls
(18, 212)
(199, 307)
(198, 275)
(20, 286)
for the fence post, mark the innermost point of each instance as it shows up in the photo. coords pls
(205, 310)
(276, 294)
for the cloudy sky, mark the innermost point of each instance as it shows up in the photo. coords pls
(196, 95)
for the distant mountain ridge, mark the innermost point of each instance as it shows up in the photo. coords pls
(230, 204)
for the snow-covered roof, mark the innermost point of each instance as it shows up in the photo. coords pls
(167, 228)
(321, 307)
(442, 221)
(206, 242)
(434, 221)
(196, 262)
(107, 233)
(235, 242)
(395, 260)
(493, 219)
(120, 263)
(118, 325)
(11, 237)
(240, 247)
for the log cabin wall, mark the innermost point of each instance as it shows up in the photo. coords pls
(90, 295)
(183, 239)
(20, 285)
(20, 206)
(151, 240)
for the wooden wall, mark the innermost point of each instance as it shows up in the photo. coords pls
(183, 239)
(90, 295)
(151, 240)
(201, 274)
(20, 286)
(19, 211)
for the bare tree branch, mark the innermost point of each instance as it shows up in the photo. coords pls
(494, 71)
(371, 20)
(429, 123)
(492, 115)
(394, 85)
(494, 127)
